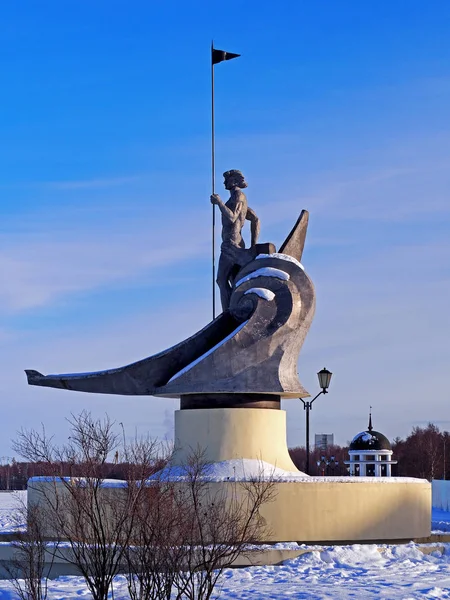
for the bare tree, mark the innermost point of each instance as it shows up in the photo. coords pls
(175, 535)
(423, 453)
(155, 555)
(191, 529)
(335, 468)
(222, 522)
(95, 516)
(33, 555)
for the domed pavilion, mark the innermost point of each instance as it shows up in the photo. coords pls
(370, 454)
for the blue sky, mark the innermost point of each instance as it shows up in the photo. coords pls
(338, 107)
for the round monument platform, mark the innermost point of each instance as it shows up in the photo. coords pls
(305, 509)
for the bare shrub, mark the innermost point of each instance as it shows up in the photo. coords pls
(95, 516)
(222, 522)
(174, 533)
(33, 555)
(191, 529)
(155, 555)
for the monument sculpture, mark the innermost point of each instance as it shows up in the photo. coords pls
(248, 355)
(231, 377)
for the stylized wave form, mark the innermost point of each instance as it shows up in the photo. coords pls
(252, 348)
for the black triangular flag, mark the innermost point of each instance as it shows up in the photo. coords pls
(218, 56)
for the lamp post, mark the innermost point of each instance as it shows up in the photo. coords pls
(326, 463)
(324, 377)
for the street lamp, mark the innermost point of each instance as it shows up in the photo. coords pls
(324, 377)
(325, 463)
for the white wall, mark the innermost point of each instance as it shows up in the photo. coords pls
(440, 494)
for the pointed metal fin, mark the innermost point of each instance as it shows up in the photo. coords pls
(295, 241)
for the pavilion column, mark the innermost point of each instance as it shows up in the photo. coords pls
(352, 465)
(377, 466)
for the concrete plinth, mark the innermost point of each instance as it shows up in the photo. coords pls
(311, 509)
(349, 510)
(229, 433)
(319, 509)
(304, 509)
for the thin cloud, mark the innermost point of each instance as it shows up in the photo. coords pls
(106, 345)
(82, 184)
(42, 267)
(90, 184)
(382, 318)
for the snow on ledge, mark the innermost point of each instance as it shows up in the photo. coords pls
(241, 469)
(380, 480)
(263, 293)
(264, 272)
(237, 469)
(281, 256)
(210, 351)
(247, 469)
(104, 483)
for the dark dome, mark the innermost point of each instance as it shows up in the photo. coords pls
(370, 440)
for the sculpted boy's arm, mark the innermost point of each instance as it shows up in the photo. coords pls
(231, 215)
(255, 225)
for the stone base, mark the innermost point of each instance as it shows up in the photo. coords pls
(351, 510)
(324, 510)
(305, 509)
(339, 509)
(229, 433)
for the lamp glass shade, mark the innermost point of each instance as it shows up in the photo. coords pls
(324, 378)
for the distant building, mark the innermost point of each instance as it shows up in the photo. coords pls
(322, 441)
(370, 454)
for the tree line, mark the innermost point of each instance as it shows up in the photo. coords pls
(424, 453)
(14, 474)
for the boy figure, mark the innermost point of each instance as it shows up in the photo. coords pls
(234, 255)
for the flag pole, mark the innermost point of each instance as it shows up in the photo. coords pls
(217, 56)
(213, 186)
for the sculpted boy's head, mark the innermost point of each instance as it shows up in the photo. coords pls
(234, 178)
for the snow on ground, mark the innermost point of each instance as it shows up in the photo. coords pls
(334, 573)
(440, 521)
(325, 573)
(11, 508)
(358, 571)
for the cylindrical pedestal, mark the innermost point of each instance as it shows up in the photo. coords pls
(229, 433)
